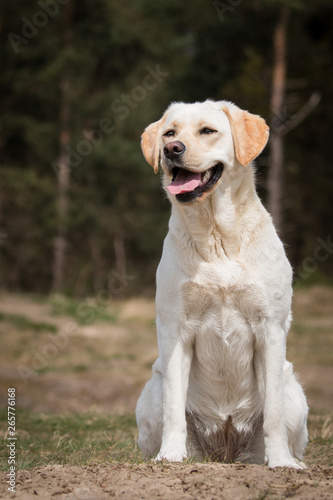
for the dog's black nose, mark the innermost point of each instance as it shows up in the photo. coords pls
(174, 149)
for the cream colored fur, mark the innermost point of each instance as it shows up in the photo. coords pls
(221, 387)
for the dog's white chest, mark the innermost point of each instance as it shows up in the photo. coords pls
(231, 313)
(221, 326)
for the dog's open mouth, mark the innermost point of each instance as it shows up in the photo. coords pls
(187, 185)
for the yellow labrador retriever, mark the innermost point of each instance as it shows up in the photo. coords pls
(221, 387)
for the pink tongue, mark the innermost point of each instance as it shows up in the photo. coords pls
(185, 181)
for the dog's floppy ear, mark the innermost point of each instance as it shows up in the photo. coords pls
(250, 133)
(149, 144)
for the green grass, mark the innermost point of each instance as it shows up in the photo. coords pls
(75, 439)
(90, 439)
(23, 323)
(83, 312)
(320, 448)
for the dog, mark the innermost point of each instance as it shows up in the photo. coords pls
(221, 388)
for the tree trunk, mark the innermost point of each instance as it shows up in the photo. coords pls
(275, 175)
(60, 242)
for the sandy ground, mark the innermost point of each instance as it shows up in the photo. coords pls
(113, 386)
(172, 481)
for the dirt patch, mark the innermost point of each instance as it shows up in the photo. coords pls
(171, 481)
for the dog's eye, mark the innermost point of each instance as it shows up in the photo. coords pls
(207, 130)
(169, 133)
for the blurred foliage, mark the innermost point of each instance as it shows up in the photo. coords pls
(200, 50)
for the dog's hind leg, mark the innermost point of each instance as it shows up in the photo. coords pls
(149, 415)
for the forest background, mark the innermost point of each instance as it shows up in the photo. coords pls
(81, 212)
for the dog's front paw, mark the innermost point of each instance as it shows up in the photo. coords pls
(301, 464)
(171, 455)
(284, 460)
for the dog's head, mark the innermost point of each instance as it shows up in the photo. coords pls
(195, 143)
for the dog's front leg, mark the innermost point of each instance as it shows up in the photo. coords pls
(272, 360)
(176, 355)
